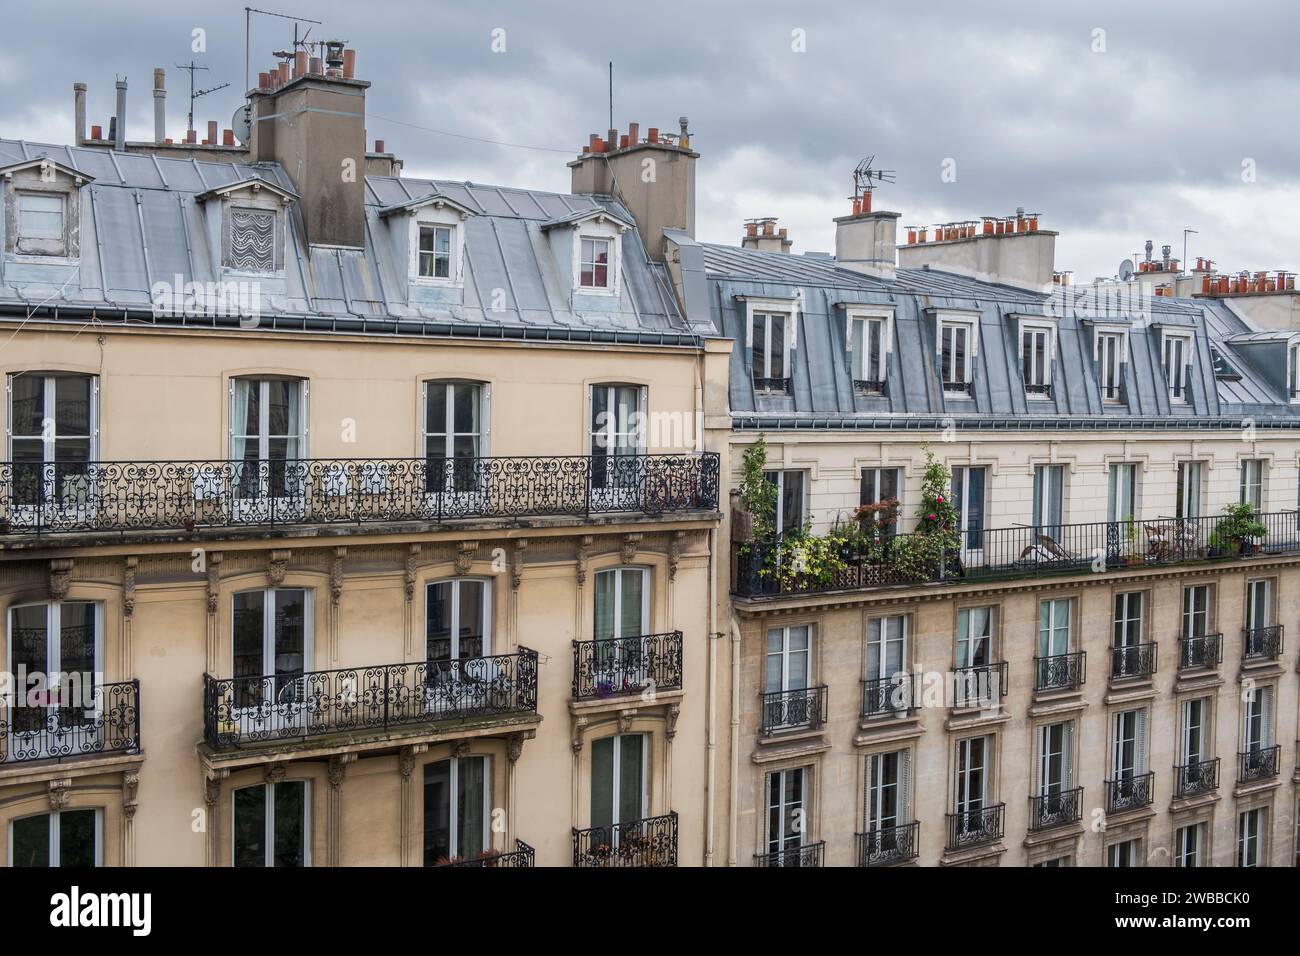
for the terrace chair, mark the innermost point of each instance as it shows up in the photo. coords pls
(1045, 550)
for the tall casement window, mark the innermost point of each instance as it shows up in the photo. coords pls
(63, 641)
(1054, 622)
(268, 436)
(617, 439)
(968, 499)
(1188, 843)
(272, 824)
(272, 645)
(622, 618)
(974, 760)
(790, 491)
(457, 809)
(956, 354)
(53, 433)
(868, 350)
(883, 485)
(888, 802)
(1250, 828)
(1109, 354)
(620, 777)
(458, 627)
(455, 432)
(1127, 637)
(1187, 502)
(1196, 611)
(435, 251)
(787, 808)
(594, 263)
(974, 636)
(1251, 484)
(1055, 767)
(1257, 720)
(1122, 492)
(886, 646)
(63, 838)
(1128, 746)
(788, 660)
(1193, 736)
(1049, 489)
(769, 339)
(1177, 365)
(1259, 615)
(1122, 854)
(1036, 360)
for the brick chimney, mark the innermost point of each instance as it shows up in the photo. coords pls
(314, 126)
(764, 235)
(1009, 250)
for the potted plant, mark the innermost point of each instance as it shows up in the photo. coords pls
(925, 554)
(1233, 534)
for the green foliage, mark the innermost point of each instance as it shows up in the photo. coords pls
(757, 494)
(1238, 525)
(923, 553)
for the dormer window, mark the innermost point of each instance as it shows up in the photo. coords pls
(868, 347)
(1109, 354)
(1036, 355)
(958, 343)
(41, 209)
(435, 252)
(253, 221)
(252, 240)
(40, 216)
(593, 263)
(771, 361)
(1177, 352)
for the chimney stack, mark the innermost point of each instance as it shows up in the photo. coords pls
(79, 112)
(119, 138)
(763, 235)
(1010, 250)
(159, 105)
(866, 241)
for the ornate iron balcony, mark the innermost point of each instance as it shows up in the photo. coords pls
(1258, 764)
(793, 709)
(887, 846)
(1191, 779)
(638, 843)
(869, 386)
(1048, 810)
(627, 665)
(1262, 643)
(981, 685)
(1044, 390)
(297, 704)
(521, 857)
(74, 723)
(781, 385)
(960, 388)
(1135, 662)
(122, 496)
(810, 854)
(1202, 650)
(1060, 672)
(1129, 793)
(894, 696)
(969, 828)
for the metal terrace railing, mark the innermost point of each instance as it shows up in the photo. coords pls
(104, 718)
(522, 856)
(627, 665)
(651, 842)
(886, 846)
(41, 498)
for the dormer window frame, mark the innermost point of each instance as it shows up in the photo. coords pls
(773, 381)
(1293, 371)
(252, 196)
(869, 375)
(1177, 379)
(963, 329)
(1119, 333)
(43, 178)
(599, 229)
(437, 216)
(1037, 381)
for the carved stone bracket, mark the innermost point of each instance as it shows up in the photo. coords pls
(515, 746)
(579, 727)
(276, 566)
(337, 768)
(583, 553)
(336, 576)
(60, 578)
(670, 720)
(58, 792)
(625, 718)
(517, 562)
(275, 772)
(128, 585)
(465, 556)
(675, 546)
(408, 576)
(130, 791)
(631, 542)
(460, 749)
(406, 762)
(214, 580)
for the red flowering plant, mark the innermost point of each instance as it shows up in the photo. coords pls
(925, 553)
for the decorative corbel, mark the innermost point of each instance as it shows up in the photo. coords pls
(60, 578)
(337, 768)
(515, 746)
(336, 576)
(625, 718)
(670, 720)
(408, 577)
(675, 546)
(583, 552)
(275, 772)
(130, 792)
(276, 566)
(631, 541)
(517, 562)
(214, 580)
(465, 556)
(128, 585)
(460, 749)
(406, 762)
(579, 725)
(58, 792)
(211, 791)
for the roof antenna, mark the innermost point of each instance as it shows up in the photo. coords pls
(248, 33)
(195, 94)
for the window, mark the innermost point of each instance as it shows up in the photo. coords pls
(1056, 670)
(1056, 862)
(1193, 735)
(1129, 745)
(787, 800)
(268, 436)
(1249, 827)
(968, 499)
(1196, 611)
(1122, 493)
(62, 641)
(272, 645)
(972, 790)
(880, 485)
(271, 825)
(1055, 763)
(886, 646)
(594, 263)
(622, 603)
(1257, 720)
(458, 624)
(1259, 606)
(956, 354)
(1251, 486)
(789, 499)
(40, 216)
(64, 838)
(1123, 854)
(619, 781)
(53, 433)
(1036, 360)
(617, 439)
(455, 431)
(1049, 483)
(868, 351)
(1293, 371)
(974, 636)
(1127, 657)
(457, 809)
(888, 792)
(252, 240)
(1187, 845)
(770, 363)
(1177, 365)
(435, 252)
(788, 664)
(1188, 498)
(1109, 353)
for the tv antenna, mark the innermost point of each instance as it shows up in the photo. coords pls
(248, 33)
(866, 177)
(195, 94)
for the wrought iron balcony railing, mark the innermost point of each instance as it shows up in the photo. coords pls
(1060, 671)
(793, 710)
(1134, 662)
(981, 685)
(810, 854)
(101, 718)
(1200, 651)
(297, 704)
(1010, 553)
(1262, 643)
(1191, 779)
(1258, 764)
(968, 828)
(1130, 793)
(627, 665)
(123, 496)
(959, 388)
(1058, 809)
(521, 857)
(650, 842)
(887, 846)
(1034, 389)
(892, 696)
(781, 385)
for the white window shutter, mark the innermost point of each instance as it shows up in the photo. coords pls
(1266, 716)
(905, 786)
(1067, 757)
(749, 328)
(642, 404)
(306, 395)
(486, 426)
(1140, 746)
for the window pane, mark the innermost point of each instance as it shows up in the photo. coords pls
(290, 632)
(77, 838)
(27, 404)
(290, 823)
(630, 777)
(437, 812)
(31, 841)
(250, 826)
(631, 623)
(760, 347)
(248, 615)
(472, 780)
(602, 782)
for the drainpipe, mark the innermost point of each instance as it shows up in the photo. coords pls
(159, 105)
(120, 139)
(712, 731)
(733, 822)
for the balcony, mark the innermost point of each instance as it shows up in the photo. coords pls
(971, 828)
(965, 389)
(1202, 651)
(627, 665)
(651, 842)
(1012, 553)
(1135, 662)
(1130, 793)
(980, 686)
(810, 854)
(889, 696)
(1049, 810)
(868, 386)
(1193, 779)
(769, 386)
(787, 710)
(521, 857)
(889, 846)
(106, 722)
(1261, 643)
(187, 496)
(1258, 764)
(295, 705)
(1061, 672)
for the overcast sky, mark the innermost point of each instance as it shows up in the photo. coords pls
(1114, 137)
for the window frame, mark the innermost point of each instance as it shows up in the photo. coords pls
(968, 324)
(782, 807)
(1252, 482)
(55, 848)
(454, 851)
(1036, 390)
(1177, 344)
(268, 834)
(860, 370)
(1107, 342)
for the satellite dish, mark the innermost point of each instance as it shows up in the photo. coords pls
(1126, 270)
(242, 125)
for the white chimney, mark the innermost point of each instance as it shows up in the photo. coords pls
(866, 242)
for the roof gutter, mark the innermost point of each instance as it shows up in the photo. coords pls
(990, 423)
